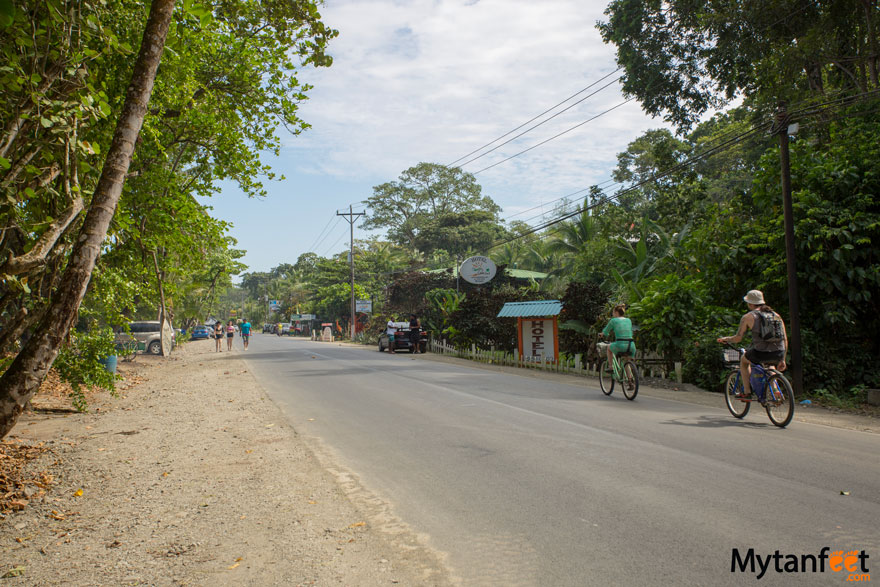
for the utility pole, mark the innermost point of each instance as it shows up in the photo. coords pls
(352, 218)
(797, 368)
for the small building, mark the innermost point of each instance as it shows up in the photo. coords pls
(537, 331)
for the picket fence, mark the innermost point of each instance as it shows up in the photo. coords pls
(574, 364)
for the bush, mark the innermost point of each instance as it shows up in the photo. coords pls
(583, 306)
(475, 321)
(671, 309)
(78, 363)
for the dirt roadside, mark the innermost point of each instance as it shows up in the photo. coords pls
(192, 477)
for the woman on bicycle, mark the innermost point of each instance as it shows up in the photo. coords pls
(623, 334)
(760, 351)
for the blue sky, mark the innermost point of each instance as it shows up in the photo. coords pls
(432, 80)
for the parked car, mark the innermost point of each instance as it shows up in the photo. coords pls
(149, 334)
(402, 340)
(200, 333)
(267, 328)
(285, 328)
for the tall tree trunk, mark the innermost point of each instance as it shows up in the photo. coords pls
(22, 380)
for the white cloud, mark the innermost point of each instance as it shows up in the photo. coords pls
(431, 80)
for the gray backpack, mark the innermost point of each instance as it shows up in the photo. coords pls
(770, 328)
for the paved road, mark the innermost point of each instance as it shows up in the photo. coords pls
(530, 482)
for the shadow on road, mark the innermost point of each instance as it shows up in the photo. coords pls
(720, 422)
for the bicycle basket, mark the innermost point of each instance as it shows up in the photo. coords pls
(731, 356)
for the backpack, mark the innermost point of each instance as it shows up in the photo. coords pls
(770, 328)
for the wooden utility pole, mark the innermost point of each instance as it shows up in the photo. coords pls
(794, 338)
(352, 217)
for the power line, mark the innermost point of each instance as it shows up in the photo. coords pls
(528, 130)
(315, 244)
(544, 142)
(536, 117)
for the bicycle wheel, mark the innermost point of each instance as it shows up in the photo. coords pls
(606, 377)
(779, 401)
(630, 382)
(738, 408)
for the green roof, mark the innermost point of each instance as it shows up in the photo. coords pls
(515, 273)
(530, 309)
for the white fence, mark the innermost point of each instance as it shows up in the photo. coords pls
(573, 364)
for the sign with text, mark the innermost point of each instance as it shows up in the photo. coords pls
(477, 270)
(365, 306)
(537, 337)
(274, 305)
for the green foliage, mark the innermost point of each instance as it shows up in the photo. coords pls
(669, 311)
(475, 320)
(441, 304)
(422, 195)
(77, 363)
(582, 306)
(684, 58)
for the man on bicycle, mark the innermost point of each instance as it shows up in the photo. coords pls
(760, 351)
(623, 335)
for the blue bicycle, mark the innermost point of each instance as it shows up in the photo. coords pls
(769, 387)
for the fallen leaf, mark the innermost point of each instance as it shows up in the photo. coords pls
(14, 572)
(165, 474)
(358, 524)
(78, 493)
(311, 419)
(844, 493)
(312, 502)
(233, 566)
(101, 449)
(269, 425)
(248, 451)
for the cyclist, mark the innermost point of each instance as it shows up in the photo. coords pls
(623, 335)
(760, 351)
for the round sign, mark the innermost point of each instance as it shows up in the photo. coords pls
(477, 270)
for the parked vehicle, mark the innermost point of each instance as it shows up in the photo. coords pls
(285, 329)
(402, 341)
(200, 333)
(148, 334)
(267, 328)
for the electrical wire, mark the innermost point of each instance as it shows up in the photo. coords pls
(536, 117)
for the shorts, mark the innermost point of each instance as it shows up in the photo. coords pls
(761, 357)
(230, 334)
(390, 338)
(245, 336)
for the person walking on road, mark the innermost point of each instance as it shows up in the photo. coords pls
(218, 335)
(230, 333)
(245, 333)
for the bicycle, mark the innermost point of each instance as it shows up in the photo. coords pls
(622, 369)
(773, 391)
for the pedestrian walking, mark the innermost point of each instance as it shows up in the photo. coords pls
(245, 333)
(218, 335)
(230, 333)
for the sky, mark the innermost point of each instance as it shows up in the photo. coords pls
(431, 81)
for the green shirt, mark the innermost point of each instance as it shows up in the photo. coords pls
(622, 328)
(623, 333)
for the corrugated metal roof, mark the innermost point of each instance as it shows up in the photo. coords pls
(517, 273)
(530, 309)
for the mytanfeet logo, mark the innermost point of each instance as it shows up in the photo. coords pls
(852, 564)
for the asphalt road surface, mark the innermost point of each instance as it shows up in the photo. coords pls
(522, 481)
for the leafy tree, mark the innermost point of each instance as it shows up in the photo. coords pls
(684, 58)
(423, 193)
(459, 233)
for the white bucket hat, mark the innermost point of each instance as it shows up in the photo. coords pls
(754, 297)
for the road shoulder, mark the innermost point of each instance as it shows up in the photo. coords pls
(193, 477)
